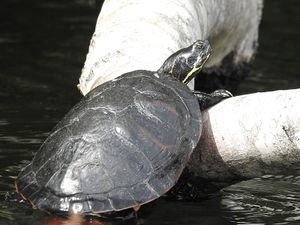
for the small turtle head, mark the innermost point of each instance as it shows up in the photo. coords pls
(187, 62)
(196, 58)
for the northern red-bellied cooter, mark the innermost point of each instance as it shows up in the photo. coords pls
(125, 143)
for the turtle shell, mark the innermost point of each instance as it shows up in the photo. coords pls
(124, 144)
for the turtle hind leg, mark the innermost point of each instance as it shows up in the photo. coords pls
(207, 100)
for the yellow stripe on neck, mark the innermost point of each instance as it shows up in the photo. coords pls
(194, 70)
(191, 73)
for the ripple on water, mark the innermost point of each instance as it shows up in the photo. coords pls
(262, 200)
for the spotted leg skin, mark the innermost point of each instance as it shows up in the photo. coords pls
(207, 100)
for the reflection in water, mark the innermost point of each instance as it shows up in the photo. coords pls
(43, 46)
(266, 199)
(79, 220)
(72, 220)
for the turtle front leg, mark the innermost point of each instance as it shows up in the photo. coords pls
(207, 100)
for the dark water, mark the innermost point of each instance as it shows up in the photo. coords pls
(42, 49)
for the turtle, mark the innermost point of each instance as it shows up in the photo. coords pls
(125, 143)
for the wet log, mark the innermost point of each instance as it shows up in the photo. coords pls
(248, 136)
(141, 34)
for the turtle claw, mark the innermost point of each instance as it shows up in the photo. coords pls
(207, 100)
(221, 93)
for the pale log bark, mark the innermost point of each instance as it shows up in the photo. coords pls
(141, 34)
(248, 136)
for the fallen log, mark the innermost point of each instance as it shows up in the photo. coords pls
(248, 136)
(244, 136)
(141, 34)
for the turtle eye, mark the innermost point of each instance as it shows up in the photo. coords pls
(191, 61)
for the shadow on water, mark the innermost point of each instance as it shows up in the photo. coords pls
(43, 46)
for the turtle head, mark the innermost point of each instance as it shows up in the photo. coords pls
(187, 62)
